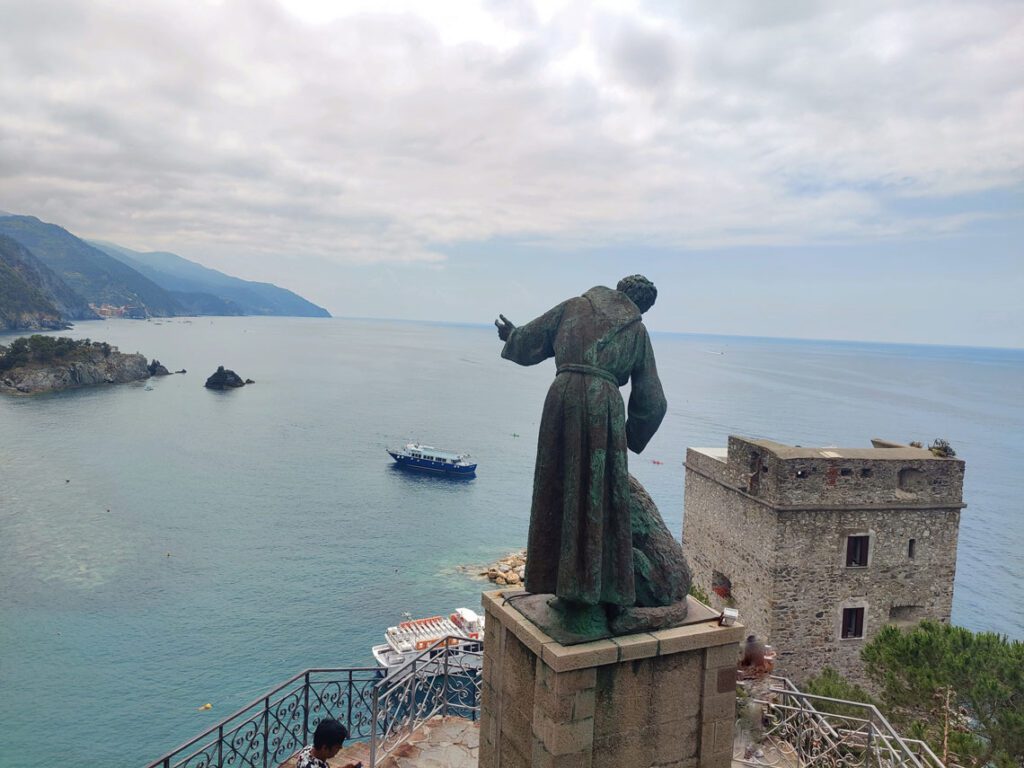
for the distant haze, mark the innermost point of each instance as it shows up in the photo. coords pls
(791, 168)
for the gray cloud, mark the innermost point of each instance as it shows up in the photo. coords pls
(237, 130)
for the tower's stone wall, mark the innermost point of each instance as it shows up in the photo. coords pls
(812, 583)
(775, 521)
(726, 532)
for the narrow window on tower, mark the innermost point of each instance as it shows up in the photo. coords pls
(911, 548)
(853, 623)
(857, 551)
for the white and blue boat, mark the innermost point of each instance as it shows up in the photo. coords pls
(429, 459)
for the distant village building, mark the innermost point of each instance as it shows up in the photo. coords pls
(819, 548)
(128, 311)
(106, 310)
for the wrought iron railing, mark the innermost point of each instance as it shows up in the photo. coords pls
(796, 729)
(272, 728)
(443, 680)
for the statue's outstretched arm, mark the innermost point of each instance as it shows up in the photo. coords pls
(531, 343)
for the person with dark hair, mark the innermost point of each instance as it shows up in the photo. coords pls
(328, 739)
(580, 540)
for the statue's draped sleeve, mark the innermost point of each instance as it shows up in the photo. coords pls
(534, 342)
(647, 404)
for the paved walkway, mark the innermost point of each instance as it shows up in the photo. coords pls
(444, 742)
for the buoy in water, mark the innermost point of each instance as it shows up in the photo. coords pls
(205, 707)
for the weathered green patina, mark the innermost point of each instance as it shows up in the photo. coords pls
(580, 545)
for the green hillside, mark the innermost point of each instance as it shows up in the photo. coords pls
(88, 271)
(31, 295)
(22, 307)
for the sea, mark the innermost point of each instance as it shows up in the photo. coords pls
(164, 546)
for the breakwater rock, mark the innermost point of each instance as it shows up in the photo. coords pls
(509, 570)
(38, 364)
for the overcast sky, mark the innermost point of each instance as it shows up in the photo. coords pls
(813, 169)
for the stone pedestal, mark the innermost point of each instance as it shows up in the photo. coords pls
(661, 699)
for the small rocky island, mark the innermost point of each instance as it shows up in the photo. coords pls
(36, 364)
(225, 378)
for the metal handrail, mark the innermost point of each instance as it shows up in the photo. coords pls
(411, 690)
(271, 727)
(819, 737)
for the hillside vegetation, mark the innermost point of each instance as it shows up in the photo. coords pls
(88, 271)
(44, 269)
(32, 296)
(43, 350)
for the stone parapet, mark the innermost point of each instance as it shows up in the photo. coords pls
(662, 699)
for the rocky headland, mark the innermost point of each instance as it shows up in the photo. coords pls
(36, 364)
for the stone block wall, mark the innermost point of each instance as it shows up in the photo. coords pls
(813, 583)
(775, 520)
(650, 700)
(727, 531)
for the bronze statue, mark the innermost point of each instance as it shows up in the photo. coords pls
(581, 539)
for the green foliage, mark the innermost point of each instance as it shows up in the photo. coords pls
(962, 692)
(91, 273)
(834, 686)
(700, 594)
(38, 349)
(19, 296)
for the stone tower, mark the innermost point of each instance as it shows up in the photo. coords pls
(819, 548)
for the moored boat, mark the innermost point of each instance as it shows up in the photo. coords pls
(412, 638)
(426, 458)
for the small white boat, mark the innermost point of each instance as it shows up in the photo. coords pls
(412, 638)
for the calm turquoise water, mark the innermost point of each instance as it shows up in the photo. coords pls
(293, 542)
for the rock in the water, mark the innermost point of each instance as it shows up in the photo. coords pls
(224, 378)
(249, 381)
(660, 573)
(157, 369)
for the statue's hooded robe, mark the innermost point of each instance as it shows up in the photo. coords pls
(580, 542)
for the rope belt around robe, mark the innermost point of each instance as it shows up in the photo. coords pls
(586, 370)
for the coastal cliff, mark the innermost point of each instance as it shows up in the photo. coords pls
(32, 297)
(36, 364)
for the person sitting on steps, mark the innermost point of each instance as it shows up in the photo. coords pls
(328, 739)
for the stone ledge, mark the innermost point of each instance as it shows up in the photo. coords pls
(704, 632)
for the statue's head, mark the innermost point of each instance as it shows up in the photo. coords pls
(640, 290)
